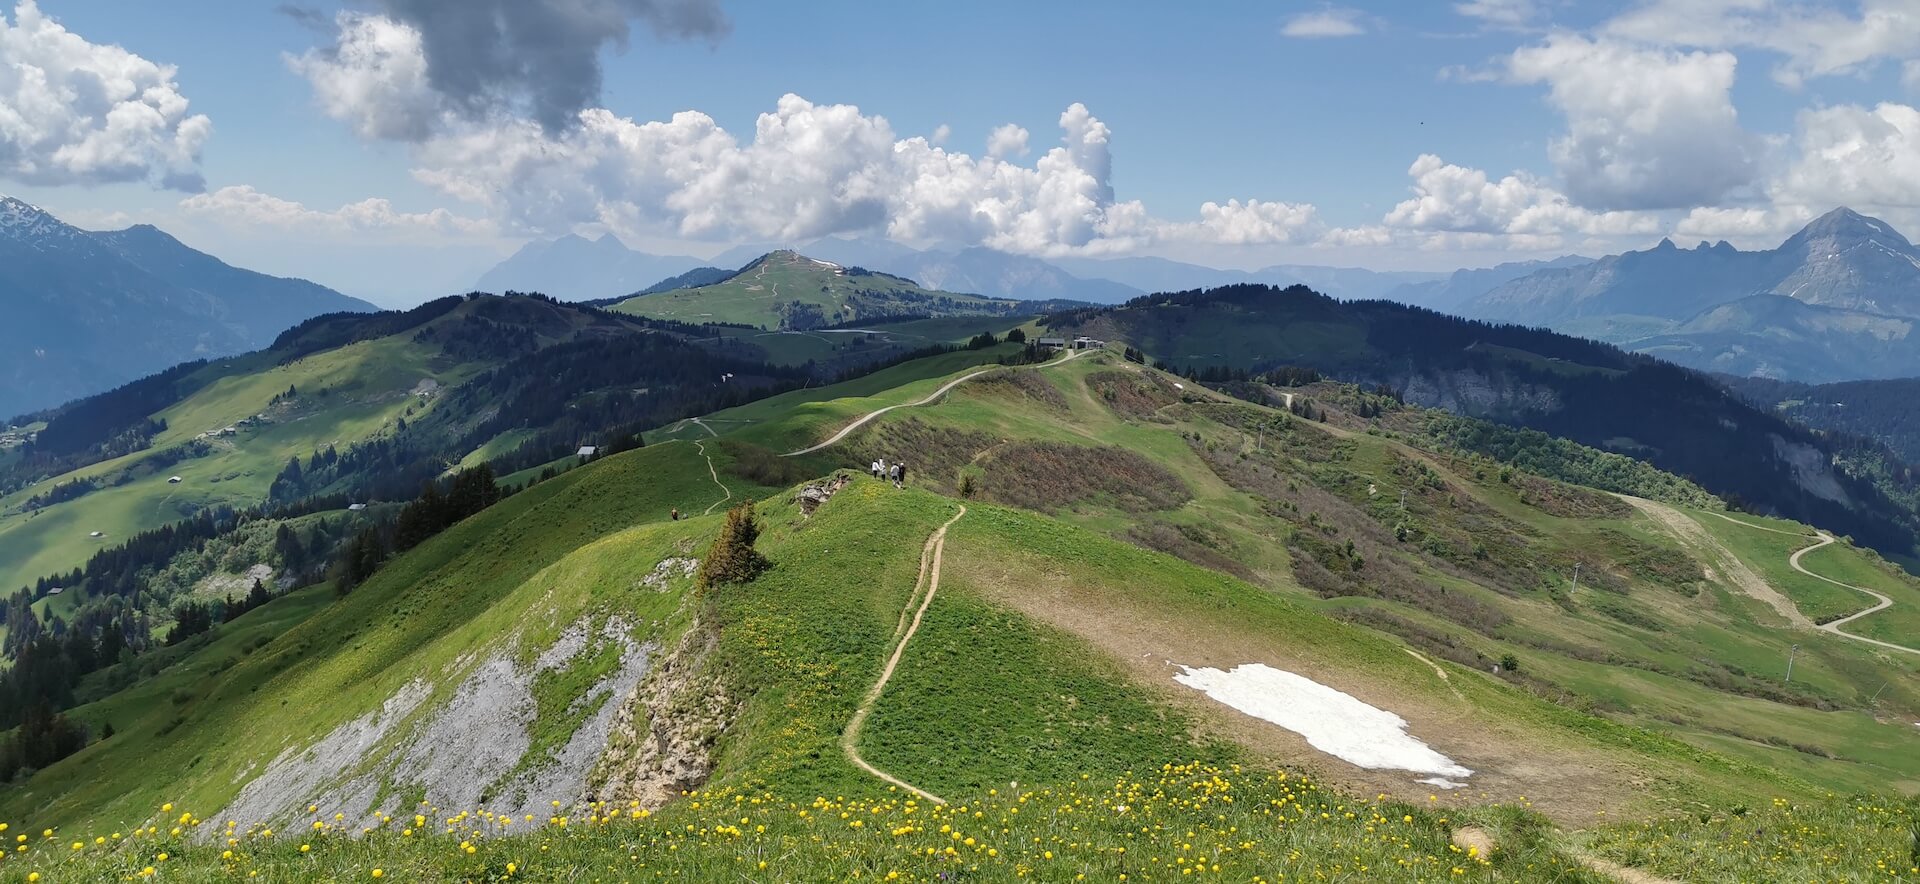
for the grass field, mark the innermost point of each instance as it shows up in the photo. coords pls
(868, 343)
(757, 297)
(367, 388)
(1899, 624)
(1647, 713)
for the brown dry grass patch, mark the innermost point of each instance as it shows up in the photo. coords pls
(1052, 476)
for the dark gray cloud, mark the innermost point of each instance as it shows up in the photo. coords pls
(537, 57)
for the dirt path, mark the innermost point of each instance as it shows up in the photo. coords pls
(1620, 873)
(944, 389)
(1442, 673)
(1690, 533)
(696, 422)
(930, 556)
(1881, 602)
(1726, 518)
(716, 478)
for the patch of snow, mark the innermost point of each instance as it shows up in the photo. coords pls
(1333, 722)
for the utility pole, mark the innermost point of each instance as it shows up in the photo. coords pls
(1576, 580)
(1790, 655)
(1403, 500)
(1876, 694)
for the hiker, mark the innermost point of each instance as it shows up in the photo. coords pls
(895, 475)
(900, 475)
(676, 514)
(875, 466)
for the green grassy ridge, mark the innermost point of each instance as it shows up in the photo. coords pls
(1849, 564)
(830, 349)
(754, 296)
(1635, 673)
(562, 545)
(1768, 552)
(349, 393)
(368, 384)
(799, 418)
(805, 640)
(812, 633)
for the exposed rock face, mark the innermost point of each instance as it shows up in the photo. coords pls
(475, 748)
(811, 497)
(662, 574)
(1474, 394)
(664, 733)
(1811, 470)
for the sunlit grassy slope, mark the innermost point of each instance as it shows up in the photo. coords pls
(345, 395)
(1038, 694)
(1659, 637)
(474, 586)
(830, 293)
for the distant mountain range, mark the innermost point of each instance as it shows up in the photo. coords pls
(575, 268)
(788, 291)
(86, 311)
(1836, 301)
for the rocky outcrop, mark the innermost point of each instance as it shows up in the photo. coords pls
(811, 497)
(663, 736)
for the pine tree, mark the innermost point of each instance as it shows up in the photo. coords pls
(732, 558)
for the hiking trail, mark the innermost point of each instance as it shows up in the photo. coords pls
(944, 389)
(929, 576)
(724, 490)
(1690, 531)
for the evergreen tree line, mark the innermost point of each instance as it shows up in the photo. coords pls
(438, 507)
(44, 737)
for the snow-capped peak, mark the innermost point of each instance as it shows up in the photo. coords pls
(24, 222)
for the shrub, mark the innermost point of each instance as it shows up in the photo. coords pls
(732, 558)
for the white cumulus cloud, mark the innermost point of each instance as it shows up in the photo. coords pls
(1254, 222)
(1007, 141)
(75, 112)
(1852, 155)
(1646, 128)
(373, 79)
(811, 170)
(1458, 206)
(806, 170)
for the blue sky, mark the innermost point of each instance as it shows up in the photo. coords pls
(1551, 127)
